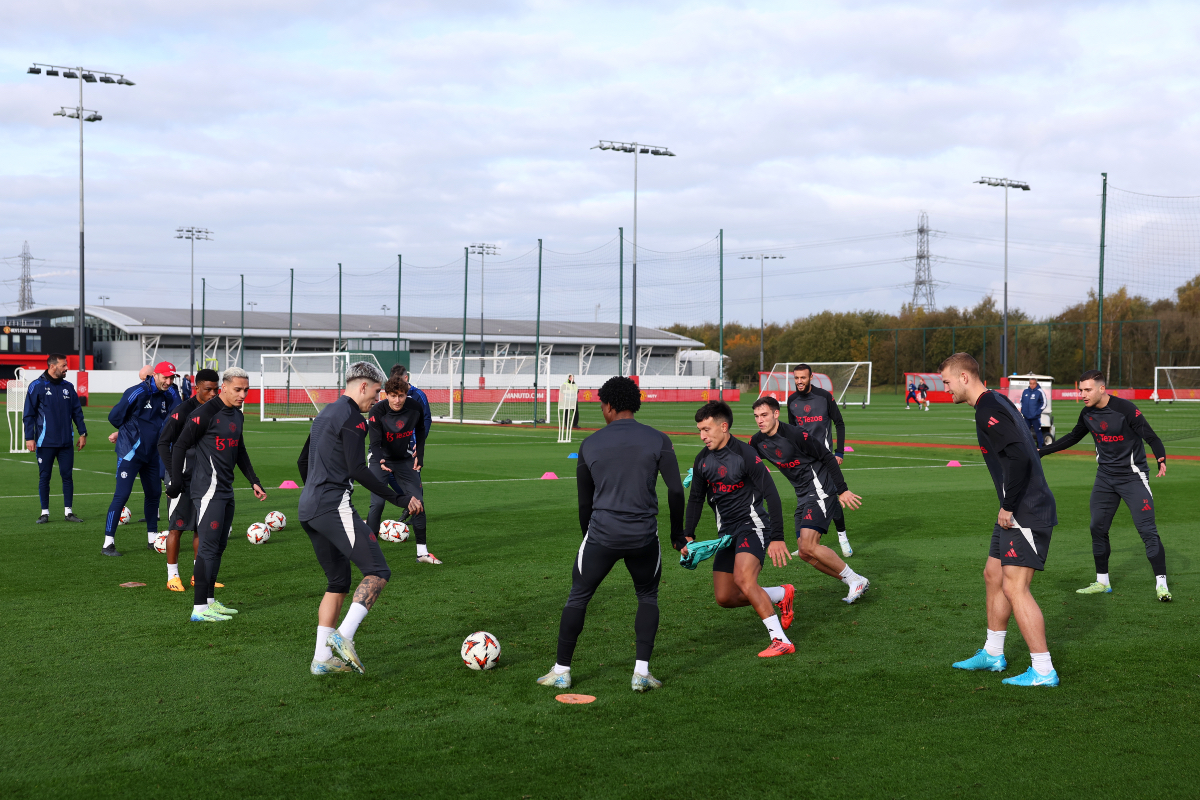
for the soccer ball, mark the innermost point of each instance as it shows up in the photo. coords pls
(391, 530)
(258, 533)
(125, 516)
(160, 542)
(276, 521)
(481, 650)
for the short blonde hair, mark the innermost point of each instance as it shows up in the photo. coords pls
(234, 372)
(961, 362)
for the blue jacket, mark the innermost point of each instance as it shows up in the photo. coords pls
(1032, 403)
(138, 417)
(420, 397)
(50, 408)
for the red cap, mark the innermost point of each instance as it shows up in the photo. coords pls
(164, 368)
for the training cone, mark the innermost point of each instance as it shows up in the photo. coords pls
(549, 476)
(288, 485)
(954, 464)
(573, 455)
(848, 449)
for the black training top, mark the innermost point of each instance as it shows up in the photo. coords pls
(171, 431)
(215, 431)
(397, 435)
(806, 463)
(816, 411)
(735, 482)
(332, 462)
(1012, 459)
(618, 469)
(1121, 434)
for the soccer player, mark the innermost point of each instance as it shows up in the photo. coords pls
(51, 406)
(181, 513)
(330, 464)
(396, 427)
(813, 471)
(1121, 434)
(912, 395)
(138, 417)
(1021, 536)
(618, 514)
(923, 395)
(731, 477)
(215, 431)
(417, 396)
(815, 410)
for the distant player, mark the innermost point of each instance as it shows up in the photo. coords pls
(1033, 402)
(1021, 536)
(923, 395)
(815, 410)
(51, 406)
(181, 513)
(138, 417)
(912, 395)
(814, 474)
(331, 462)
(1121, 434)
(731, 477)
(396, 427)
(618, 514)
(215, 431)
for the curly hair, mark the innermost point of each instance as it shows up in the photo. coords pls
(396, 384)
(621, 394)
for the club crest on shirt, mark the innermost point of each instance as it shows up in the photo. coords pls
(1103, 425)
(233, 427)
(807, 409)
(721, 471)
(778, 453)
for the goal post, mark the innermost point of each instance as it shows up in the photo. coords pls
(848, 381)
(1176, 383)
(499, 389)
(296, 386)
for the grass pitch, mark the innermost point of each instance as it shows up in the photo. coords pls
(112, 693)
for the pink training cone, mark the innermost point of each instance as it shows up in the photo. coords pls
(954, 464)
(288, 485)
(848, 449)
(549, 476)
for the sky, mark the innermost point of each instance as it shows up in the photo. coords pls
(305, 134)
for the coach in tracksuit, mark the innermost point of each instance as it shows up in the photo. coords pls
(1032, 403)
(138, 417)
(51, 406)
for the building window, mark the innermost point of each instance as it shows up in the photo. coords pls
(33, 344)
(3, 342)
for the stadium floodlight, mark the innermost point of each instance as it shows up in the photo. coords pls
(107, 79)
(1006, 183)
(51, 72)
(481, 249)
(89, 77)
(35, 70)
(93, 117)
(635, 148)
(761, 303)
(204, 235)
(67, 73)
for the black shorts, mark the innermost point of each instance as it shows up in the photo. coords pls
(1020, 547)
(750, 539)
(813, 512)
(341, 538)
(181, 513)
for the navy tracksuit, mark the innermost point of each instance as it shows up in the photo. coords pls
(138, 418)
(1032, 403)
(51, 406)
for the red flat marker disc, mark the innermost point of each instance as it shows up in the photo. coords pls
(575, 699)
(131, 585)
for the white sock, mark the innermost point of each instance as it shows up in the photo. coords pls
(1160, 581)
(151, 536)
(1102, 577)
(775, 593)
(422, 550)
(775, 628)
(641, 667)
(46, 512)
(66, 511)
(849, 576)
(842, 535)
(172, 571)
(109, 541)
(994, 646)
(199, 609)
(559, 669)
(1042, 663)
(323, 651)
(212, 600)
(354, 618)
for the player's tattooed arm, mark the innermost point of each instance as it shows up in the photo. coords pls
(368, 591)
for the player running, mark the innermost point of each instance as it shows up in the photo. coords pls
(138, 417)
(618, 513)
(912, 395)
(812, 470)
(923, 395)
(1021, 536)
(815, 410)
(1121, 434)
(51, 406)
(181, 513)
(330, 464)
(731, 477)
(214, 430)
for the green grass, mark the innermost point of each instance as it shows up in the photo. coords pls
(112, 693)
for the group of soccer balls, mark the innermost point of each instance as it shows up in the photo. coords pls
(260, 532)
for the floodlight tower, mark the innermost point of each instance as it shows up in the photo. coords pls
(480, 249)
(761, 303)
(635, 148)
(83, 115)
(1007, 183)
(193, 234)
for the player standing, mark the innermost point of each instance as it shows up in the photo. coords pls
(618, 514)
(1121, 434)
(330, 464)
(813, 471)
(181, 513)
(416, 395)
(396, 426)
(51, 406)
(138, 417)
(732, 478)
(215, 431)
(1021, 536)
(815, 410)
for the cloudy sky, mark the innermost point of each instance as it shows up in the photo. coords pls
(307, 133)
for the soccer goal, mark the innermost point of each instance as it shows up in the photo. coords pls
(498, 389)
(847, 381)
(296, 386)
(1176, 383)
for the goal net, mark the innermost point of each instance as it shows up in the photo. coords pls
(1177, 393)
(847, 381)
(498, 389)
(296, 386)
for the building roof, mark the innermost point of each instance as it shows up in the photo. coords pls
(272, 324)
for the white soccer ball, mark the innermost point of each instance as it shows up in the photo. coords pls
(481, 650)
(125, 516)
(276, 521)
(391, 530)
(258, 533)
(160, 542)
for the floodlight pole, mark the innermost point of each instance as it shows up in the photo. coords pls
(242, 346)
(762, 293)
(1100, 294)
(537, 347)
(1007, 183)
(192, 234)
(399, 294)
(463, 356)
(620, 302)
(482, 249)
